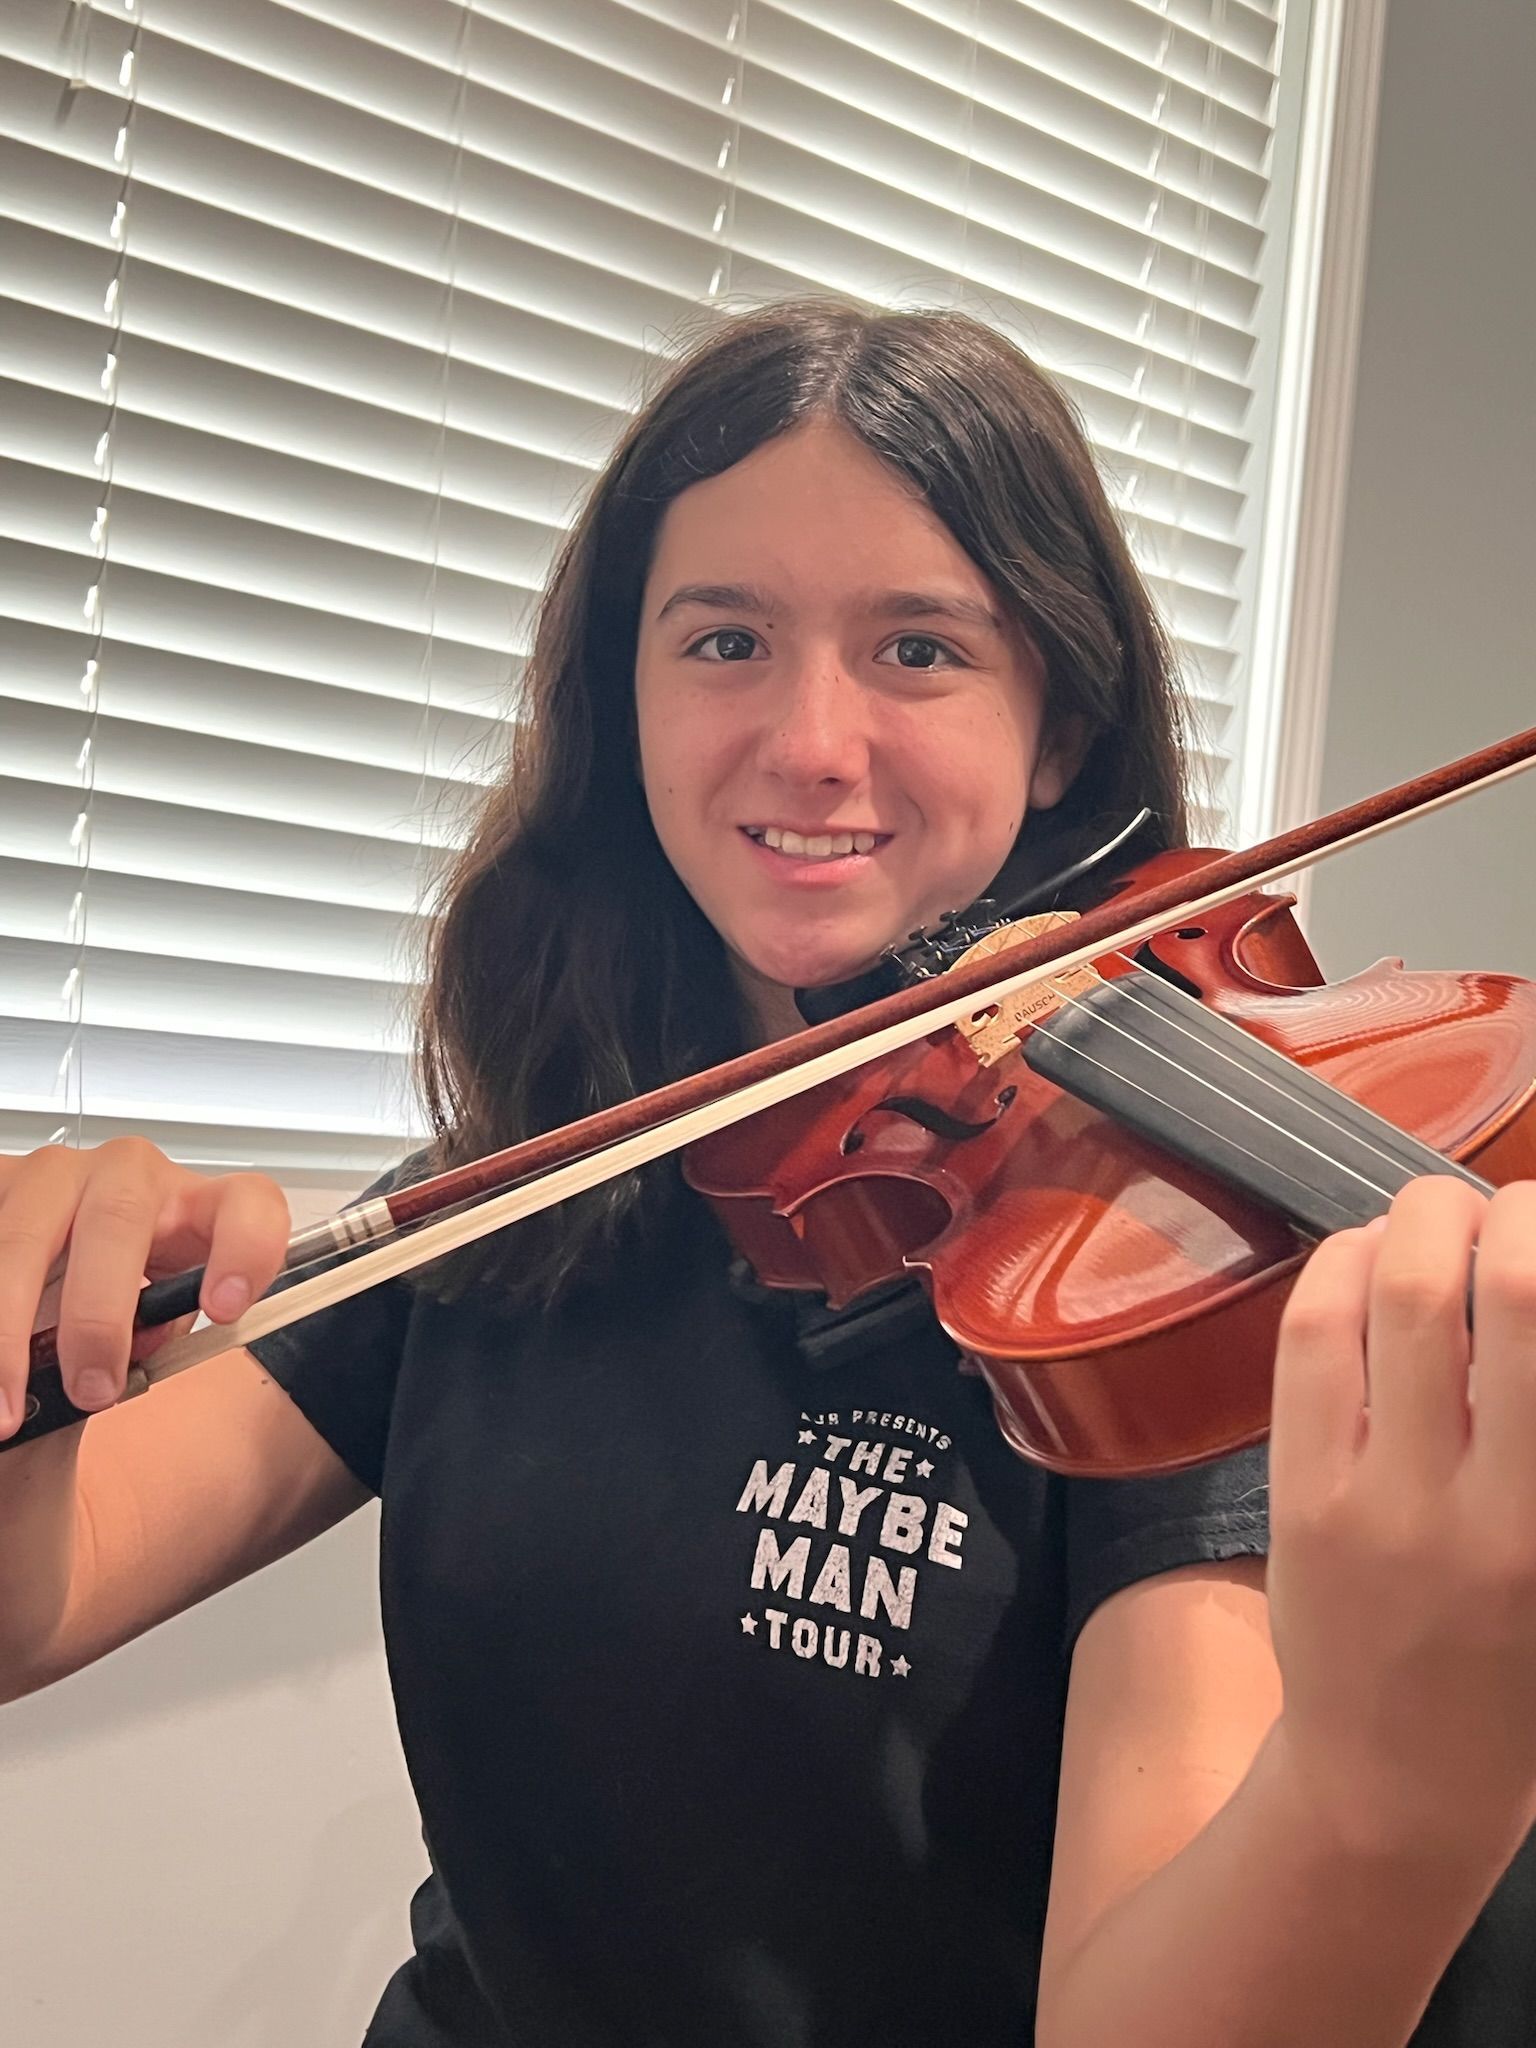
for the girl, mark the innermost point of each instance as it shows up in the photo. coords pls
(754, 1692)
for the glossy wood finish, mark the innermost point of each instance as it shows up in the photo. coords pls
(1121, 1305)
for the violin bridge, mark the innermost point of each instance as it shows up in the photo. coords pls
(994, 1032)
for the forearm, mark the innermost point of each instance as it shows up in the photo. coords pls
(1266, 1931)
(37, 1542)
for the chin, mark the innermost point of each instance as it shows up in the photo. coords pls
(809, 967)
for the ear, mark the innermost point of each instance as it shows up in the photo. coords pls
(1063, 748)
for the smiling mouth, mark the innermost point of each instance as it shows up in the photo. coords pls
(816, 845)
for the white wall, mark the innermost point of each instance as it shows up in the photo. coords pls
(207, 1842)
(1435, 652)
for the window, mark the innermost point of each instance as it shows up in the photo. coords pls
(316, 318)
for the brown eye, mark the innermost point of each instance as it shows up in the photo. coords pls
(921, 651)
(730, 643)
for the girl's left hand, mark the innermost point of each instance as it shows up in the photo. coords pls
(1402, 1577)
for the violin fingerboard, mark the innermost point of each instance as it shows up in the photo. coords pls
(1159, 1062)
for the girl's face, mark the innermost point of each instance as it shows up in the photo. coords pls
(839, 735)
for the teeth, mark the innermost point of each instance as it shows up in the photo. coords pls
(819, 845)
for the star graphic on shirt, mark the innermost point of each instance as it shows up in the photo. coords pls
(807, 1436)
(900, 1666)
(923, 1469)
(749, 1624)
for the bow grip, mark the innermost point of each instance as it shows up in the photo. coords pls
(46, 1406)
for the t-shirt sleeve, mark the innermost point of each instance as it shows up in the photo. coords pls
(1122, 1530)
(340, 1366)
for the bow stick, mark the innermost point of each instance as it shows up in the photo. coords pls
(549, 1168)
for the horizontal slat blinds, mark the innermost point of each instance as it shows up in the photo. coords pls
(316, 318)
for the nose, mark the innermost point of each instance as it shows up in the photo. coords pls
(817, 729)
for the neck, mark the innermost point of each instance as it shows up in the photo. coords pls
(770, 1006)
(773, 1013)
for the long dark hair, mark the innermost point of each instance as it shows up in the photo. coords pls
(570, 969)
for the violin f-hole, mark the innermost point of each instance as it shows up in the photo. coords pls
(928, 1116)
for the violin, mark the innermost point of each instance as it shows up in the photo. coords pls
(1108, 1185)
(1103, 1142)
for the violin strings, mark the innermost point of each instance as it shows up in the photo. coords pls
(1294, 1100)
(1200, 1080)
(1211, 1130)
(1360, 1133)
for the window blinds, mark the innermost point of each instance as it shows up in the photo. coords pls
(316, 318)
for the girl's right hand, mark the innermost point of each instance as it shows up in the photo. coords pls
(101, 1222)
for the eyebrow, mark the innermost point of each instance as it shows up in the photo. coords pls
(879, 604)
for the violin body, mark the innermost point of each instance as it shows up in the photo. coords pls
(1122, 1304)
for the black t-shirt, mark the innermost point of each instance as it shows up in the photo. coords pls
(731, 1689)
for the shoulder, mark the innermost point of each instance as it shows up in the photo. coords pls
(1173, 1683)
(1120, 1532)
(1173, 1688)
